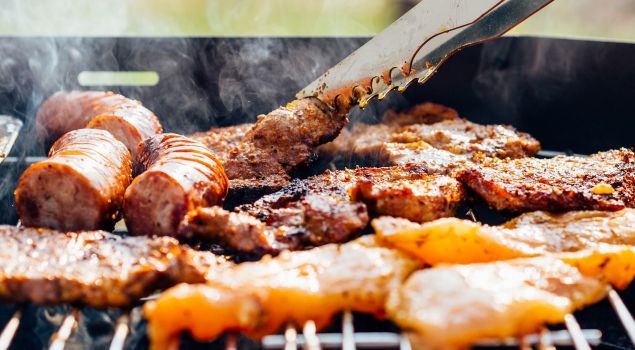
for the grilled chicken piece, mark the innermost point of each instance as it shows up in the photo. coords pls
(79, 187)
(452, 307)
(431, 125)
(328, 208)
(457, 241)
(259, 297)
(178, 174)
(126, 119)
(603, 181)
(93, 268)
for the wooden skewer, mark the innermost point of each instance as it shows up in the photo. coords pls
(9, 330)
(622, 313)
(579, 341)
(64, 332)
(290, 337)
(404, 342)
(121, 332)
(311, 341)
(348, 331)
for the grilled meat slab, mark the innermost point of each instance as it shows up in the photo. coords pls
(455, 306)
(259, 297)
(456, 241)
(93, 268)
(80, 186)
(430, 125)
(603, 181)
(328, 208)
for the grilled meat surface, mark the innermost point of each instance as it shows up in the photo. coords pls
(126, 119)
(456, 241)
(80, 186)
(327, 208)
(602, 181)
(432, 125)
(259, 297)
(178, 175)
(93, 268)
(452, 307)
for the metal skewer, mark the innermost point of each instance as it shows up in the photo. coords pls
(348, 331)
(622, 313)
(290, 337)
(121, 332)
(311, 341)
(579, 341)
(64, 332)
(9, 330)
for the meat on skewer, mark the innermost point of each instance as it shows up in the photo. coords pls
(79, 187)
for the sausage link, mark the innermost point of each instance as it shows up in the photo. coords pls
(180, 175)
(125, 118)
(79, 187)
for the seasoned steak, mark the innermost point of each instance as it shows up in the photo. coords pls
(603, 181)
(327, 208)
(93, 268)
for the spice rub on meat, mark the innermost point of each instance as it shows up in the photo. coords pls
(602, 181)
(264, 153)
(327, 208)
(93, 268)
(429, 130)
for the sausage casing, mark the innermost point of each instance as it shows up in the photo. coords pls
(125, 118)
(180, 175)
(79, 187)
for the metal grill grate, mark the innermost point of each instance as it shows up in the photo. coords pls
(347, 338)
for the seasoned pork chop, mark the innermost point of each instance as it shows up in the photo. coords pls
(603, 181)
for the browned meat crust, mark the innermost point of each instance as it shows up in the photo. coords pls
(603, 181)
(79, 187)
(222, 140)
(125, 118)
(433, 125)
(94, 268)
(328, 208)
(179, 175)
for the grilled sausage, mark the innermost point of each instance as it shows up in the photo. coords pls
(180, 175)
(125, 118)
(80, 186)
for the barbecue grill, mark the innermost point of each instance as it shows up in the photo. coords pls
(575, 96)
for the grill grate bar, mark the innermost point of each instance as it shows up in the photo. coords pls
(9, 330)
(58, 340)
(579, 340)
(545, 342)
(622, 313)
(348, 331)
(121, 332)
(312, 342)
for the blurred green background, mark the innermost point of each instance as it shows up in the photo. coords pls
(586, 18)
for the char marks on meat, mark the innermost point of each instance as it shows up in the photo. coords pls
(94, 268)
(603, 181)
(331, 207)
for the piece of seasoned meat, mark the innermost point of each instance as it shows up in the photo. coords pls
(327, 208)
(455, 306)
(126, 119)
(79, 187)
(224, 139)
(432, 125)
(93, 268)
(178, 174)
(603, 181)
(259, 297)
(456, 241)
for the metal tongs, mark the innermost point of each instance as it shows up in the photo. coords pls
(9, 129)
(414, 46)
